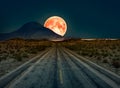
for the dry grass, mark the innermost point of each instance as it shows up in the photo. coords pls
(17, 51)
(103, 52)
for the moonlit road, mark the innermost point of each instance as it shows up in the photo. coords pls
(60, 68)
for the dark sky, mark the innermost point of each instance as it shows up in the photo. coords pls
(85, 18)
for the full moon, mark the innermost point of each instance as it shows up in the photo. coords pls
(56, 24)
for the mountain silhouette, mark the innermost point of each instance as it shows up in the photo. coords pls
(31, 30)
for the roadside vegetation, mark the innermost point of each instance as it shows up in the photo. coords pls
(103, 52)
(15, 52)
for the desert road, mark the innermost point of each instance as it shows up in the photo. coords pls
(60, 68)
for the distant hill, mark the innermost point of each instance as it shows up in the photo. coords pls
(31, 30)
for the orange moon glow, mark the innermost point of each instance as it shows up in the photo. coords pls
(56, 24)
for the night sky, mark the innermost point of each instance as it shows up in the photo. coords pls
(85, 18)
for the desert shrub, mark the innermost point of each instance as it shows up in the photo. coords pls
(105, 61)
(116, 63)
(1, 58)
(11, 51)
(84, 53)
(18, 57)
(33, 51)
(90, 55)
(70, 47)
(99, 58)
(4, 51)
(105, 54)
(40, 48)
(4, 57)
(25, 55)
